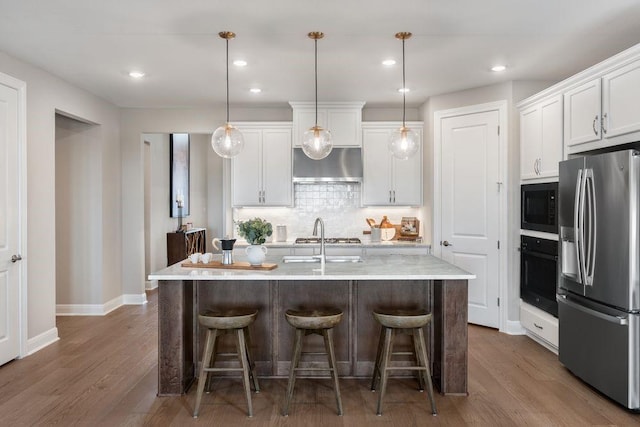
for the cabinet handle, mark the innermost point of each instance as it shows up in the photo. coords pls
(537, 326)
(263, 197)
(594, 125)
(539, 166)
(389, 196)
(604, 129)
(394, 196)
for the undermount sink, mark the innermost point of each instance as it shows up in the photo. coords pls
(316, 258)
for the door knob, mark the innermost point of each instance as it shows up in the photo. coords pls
(15, 258)
(446, 243)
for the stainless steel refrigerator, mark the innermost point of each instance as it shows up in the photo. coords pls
(599, 272)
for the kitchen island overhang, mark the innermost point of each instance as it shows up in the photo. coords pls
(393, 281)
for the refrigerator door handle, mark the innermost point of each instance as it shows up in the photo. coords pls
(562, 299)
(577, 227)
(590, 258)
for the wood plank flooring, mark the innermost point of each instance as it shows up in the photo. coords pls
(103, 372)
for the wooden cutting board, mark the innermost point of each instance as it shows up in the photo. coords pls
(234, 266)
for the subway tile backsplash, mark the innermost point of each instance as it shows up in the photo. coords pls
(338, 204)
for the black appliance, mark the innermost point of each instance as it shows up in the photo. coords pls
(539, 207)
(538, 273)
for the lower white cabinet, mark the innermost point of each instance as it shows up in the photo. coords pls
(388, 181)
(261, 174)
(540, 325)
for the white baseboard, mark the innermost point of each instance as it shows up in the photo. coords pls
(41, 341)
(100, 309)
(134, 299)
(150, 285)
(514, 327)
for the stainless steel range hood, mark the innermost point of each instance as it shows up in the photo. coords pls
(341, 165)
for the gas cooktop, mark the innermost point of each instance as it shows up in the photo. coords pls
(329, 240)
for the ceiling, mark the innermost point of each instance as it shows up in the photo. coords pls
(94, 44)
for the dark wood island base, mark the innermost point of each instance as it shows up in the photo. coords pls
(181, 340)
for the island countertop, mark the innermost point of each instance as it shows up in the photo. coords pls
(374, 267)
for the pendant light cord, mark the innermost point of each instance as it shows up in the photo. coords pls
(404, 88)
(227, 81)
(315, 70)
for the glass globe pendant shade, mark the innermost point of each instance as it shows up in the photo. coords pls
(404, 143)
(227, 141)
(316, 143)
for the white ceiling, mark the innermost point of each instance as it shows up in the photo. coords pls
(94, 44)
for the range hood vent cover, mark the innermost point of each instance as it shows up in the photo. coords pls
(341, 165)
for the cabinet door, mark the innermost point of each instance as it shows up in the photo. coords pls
(551, 142)
(345, 126)
(276, 167)
(530, 142)
(407, 178)
(305, 119)
(246, 170)
(582, 114)
(621, 101)
(376, 185)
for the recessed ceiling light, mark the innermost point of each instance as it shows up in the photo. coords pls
(240, 63)
(255, 90)
(136, 74)
(389, 62)
(498, 68)
(404, 90)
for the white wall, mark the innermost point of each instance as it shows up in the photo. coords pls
(78, 212)
(46, 94)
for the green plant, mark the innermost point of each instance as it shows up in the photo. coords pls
(255, 230)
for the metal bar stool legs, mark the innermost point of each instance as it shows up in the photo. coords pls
(306, 323)
(234, 322)
(412, 323)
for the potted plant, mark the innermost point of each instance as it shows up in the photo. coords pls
(255, 231)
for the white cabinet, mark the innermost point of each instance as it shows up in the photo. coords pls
(540, 326)
(343, 120)
(261, 173)
(388, 181)
(541, 139)
(582, 113)
(604, 111)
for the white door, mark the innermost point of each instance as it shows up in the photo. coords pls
(470, 209)
(246, 170)
(376, 163)
(276, 167)
(9, 225)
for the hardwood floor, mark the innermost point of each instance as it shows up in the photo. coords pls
(103, 371)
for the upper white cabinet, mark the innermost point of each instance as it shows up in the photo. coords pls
(261, 173)
(541, 139)
(604, 111)
(342, 119)
(388, 181)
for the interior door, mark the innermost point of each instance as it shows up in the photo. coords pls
(470, 207)
(9, 245)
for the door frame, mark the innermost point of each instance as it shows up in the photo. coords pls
(21, 88)
(502, 108)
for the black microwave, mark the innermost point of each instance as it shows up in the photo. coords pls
(539, 209)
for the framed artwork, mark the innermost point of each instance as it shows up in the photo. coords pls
(179, 174)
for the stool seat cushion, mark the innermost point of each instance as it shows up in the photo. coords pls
(314, 319)
(228, 319)
(402, 319)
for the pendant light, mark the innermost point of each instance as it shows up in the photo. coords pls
(227, 141)
(316, 142)
(404, 142)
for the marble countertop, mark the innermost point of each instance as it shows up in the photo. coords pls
(366, 243)
(374, 267)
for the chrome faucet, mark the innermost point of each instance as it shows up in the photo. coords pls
(323, 256)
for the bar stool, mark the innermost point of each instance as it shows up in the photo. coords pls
(410, 322)
(218, 323)
(308, 322)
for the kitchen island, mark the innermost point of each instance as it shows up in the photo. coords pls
(391, 281)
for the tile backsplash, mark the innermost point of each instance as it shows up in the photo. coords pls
(338, 204)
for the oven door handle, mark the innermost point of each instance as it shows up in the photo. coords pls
(540, 255)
